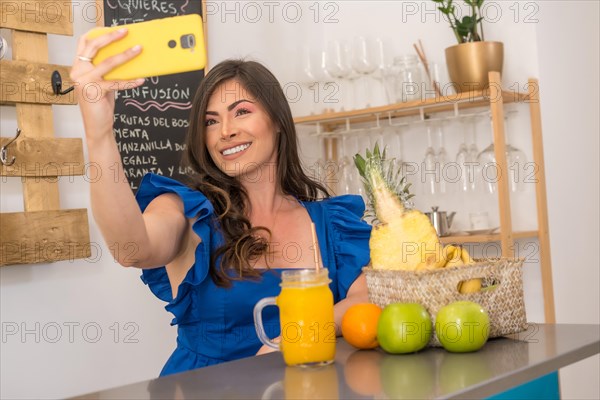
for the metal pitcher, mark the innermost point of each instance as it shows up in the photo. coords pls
(441, 220)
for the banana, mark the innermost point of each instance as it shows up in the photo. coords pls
(472, 285)
(453, 255)
(457, 256)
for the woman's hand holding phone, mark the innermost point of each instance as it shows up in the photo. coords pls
(171, 45)
(96, 96)
(113, 204)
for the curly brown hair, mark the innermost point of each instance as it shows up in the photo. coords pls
(242, 244)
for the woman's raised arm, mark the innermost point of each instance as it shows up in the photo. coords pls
(135, 239)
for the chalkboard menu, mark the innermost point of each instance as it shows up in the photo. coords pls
(151, 120)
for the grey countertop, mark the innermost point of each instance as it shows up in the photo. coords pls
(432, 373)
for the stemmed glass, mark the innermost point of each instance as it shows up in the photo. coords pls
(345, 166)
(466, 156)
(441, 159)
(382, 72)
(486, 160)
(317, 167)
(361, 142)
(429, 164)
(309, 74)
(473, 149)
(392, 138)
(364, 63)
(462, 160)
(376, 135)
(313, 71)
(337, 64)
(515, 160)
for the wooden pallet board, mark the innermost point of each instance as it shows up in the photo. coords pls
(30, 82)
(37, 16)
(44, 157)
(44, 236)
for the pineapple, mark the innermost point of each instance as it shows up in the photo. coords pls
(402, 237)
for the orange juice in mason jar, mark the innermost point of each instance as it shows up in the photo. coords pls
(306, 317)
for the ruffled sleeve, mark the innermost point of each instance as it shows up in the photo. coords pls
(195, 205)
(350, 239)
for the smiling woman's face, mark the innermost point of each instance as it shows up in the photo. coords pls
(240, 136)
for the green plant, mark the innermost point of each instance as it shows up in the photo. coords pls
(469, 28)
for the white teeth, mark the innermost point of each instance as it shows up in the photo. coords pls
(236, 149)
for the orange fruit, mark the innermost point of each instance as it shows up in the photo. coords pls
(359, 325)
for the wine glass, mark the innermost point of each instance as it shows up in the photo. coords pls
(375, 134)
(515, 161)
(473, 149)
(322, 164)
(462, 160)
(486, 161)
(515, 158)
(315, 75)
(363, 62)
(441, 159)
(466, 156)
(309, 75)
(429, 165)
(337, 64)
(360, 141)
(392, 137)
(383, 71)
(345, 165)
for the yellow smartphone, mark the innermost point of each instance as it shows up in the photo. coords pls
(169, 45)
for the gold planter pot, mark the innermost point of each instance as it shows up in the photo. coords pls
(469, 64)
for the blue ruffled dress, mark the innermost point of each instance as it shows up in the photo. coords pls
(215, 324)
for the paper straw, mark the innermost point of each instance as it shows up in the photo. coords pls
(315, 247)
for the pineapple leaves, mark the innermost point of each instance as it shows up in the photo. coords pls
(360, 164)
(378, 172)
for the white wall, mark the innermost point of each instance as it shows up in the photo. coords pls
(99, 293)
(569, 71)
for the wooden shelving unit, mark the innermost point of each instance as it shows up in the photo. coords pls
(493, 99)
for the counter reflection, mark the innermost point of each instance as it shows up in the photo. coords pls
(433, 372)
(305, 383)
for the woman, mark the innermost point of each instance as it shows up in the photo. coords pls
(212, 249)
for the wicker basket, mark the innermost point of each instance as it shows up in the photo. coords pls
(501, 296)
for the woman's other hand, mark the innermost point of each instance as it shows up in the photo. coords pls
(266, 349)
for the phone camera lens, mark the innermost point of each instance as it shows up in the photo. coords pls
(172, 44)
(188, 41)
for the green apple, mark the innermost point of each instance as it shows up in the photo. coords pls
(462, 326)
(404, 328)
